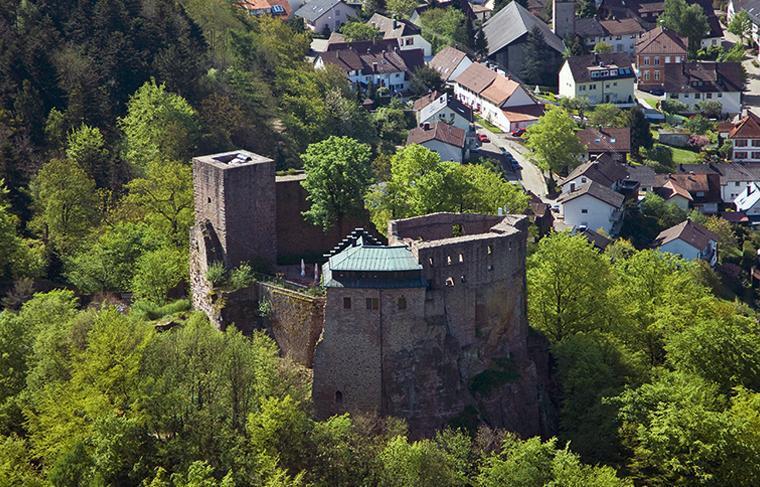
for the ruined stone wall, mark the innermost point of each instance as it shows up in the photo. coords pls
(437, 226)
(298, 239)
(294, 320)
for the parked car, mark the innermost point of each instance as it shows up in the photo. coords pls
(555, 207)
(483, 138)
(518, 132)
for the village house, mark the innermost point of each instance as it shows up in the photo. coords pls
(620, 34)
(381, 63)
(275, 8)
(613, 141)
(506, 33)
(322, 15)
(450, 63)
(592, 206)
(601, 78)
(604, 171)
(673, 193)
(734, 177)
(748, 202)
(402, 31)
(497, 98)
(442, 107)
(745, 139)
(448, 141)
(645, 176)
(656, 49)
(695, 82)
(704, 189)
(689, 240)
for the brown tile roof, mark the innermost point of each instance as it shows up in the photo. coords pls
(523, 113)
(748, 127)
(425, 100)
(703, 77)
(692, 233)
(602, 193)
(500, 90)
(606, 139)
(618, 27)
(671, 189)
(476, 78)
(661, 41)
(707, 184)
(579, 66)
(269, 5)
(446, 61)
(440, 131)
(372, 57)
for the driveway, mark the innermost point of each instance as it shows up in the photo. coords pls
(529, 175)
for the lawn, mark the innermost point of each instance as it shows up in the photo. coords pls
(485, 123)
(651, 100)
(684, 156)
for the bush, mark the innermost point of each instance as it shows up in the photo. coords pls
(661, 154)
(673, 106)
(158, 272)
(710, 108)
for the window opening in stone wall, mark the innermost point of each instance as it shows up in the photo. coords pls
(448, 259)
(461, 258)
(489, 249)
(402, 303)
(450, 281)
(430, 261)
(338, 398)
(462, 279)
(209, 199)
(490, 267)
(373, 303)
(346, 303)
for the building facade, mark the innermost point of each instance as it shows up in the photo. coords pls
(601, 78)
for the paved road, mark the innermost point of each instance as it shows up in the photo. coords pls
(528, 174)
(751, 97)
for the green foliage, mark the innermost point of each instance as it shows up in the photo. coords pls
(741, 26)
(502, 373)
(400, 8)
(159, 126)
(421, 463)
(586, 8)
(359, 31)
(673, 106)
(645, 221)
(424, 80)
(215, 273)
(540, 62)
(553, 142)
(86, 147)
(607, 115)
(641, 135)
(66, 204)
(710, 109)
(158, 272)
(698, 125)
(338, 174)
(444, 27)
(391, 124)
(18, 257)
(602, 47)
(15, 469)
(734, 55)
(688, 20)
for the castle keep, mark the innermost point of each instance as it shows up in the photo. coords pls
(430, 327)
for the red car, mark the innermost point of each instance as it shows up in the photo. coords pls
(518, 132)
(483, 138)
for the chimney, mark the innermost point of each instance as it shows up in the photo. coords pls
(374, 67)
(426, 126)
(395, 24)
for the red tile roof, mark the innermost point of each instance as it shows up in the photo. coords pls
(443, 132)
(748, 127)
(661, 41)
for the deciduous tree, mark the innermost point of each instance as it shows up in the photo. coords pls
(553, 142)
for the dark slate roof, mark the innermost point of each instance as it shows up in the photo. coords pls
(582, 66)
(443, 132)
(643, 174)
(511, 23)
(589, 27)
(369, 57)
(606, 139)
(593, 27)
(707, 77)
(599, 241)
(605, 171)
(602, 193)
(446, 61)
(692, 233)
(314, 9)
(706, 183)
(729, 172)
(393, 28)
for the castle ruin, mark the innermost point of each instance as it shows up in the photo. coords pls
(430, 327)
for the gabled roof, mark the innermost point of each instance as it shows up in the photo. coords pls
(440, 131)
(314, 9)
(393, 28)
(274, 7)
(500, 90)
(446, 61)
(661, 41)
(511, 23)
(596, 190)
(523, 113)
(671, 189)
(748, 126)
(369, 57)
(476, 78)
(687, 231)
(604, 171)
(582, 66)
(606, 139)
(645, 175)
(707, 184)
(703, 77)
(598, 240)
(748, 198)
(432, 103)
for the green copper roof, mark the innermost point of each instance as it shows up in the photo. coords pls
(374, 258)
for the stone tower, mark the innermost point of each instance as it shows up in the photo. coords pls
(235, 196)
(563, 19)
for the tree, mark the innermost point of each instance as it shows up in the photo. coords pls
(158, 272)
(66, 204)
(567, 286)
(420, 463)
(641, 136)
(586, 8)
(87, 148)
(400, 8)
(602, 47)
(741, 26)
(688, 20)
(553, 142)
(710, 108)
(424, 80)
(391, 124)
(606, 115)
(444, 27)
(728, 244)
(359, 31)
(338, 174)
(575, 47)
(159, 126)
(481, 42)
(538, 66)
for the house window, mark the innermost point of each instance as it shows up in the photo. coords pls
(756, 155)
(708, 95)
(737, 183)
(740, 143)
(489, 249)
(755, 143)
(700, 194)
(461, 258)
(667, 59)
(583, 180)
(740, 155)
(584, 211)
(410, 41)
(373, 304)
(674, 96)
(720, 95)
(646, 75)
(401, 303)
(646, 60)
(346, 303)
(449, 282)
(697, 96)
(656, 60)
(657, 75)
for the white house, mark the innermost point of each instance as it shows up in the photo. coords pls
(447, 140)
(694, 82)
(497, 98)
(745, 139)
(436, 107)
(673, 193)
(748, 202)
(601, 78)
(407, 34)
(620, 34)
(602, 170)
(690, 240)
(450, 63)
(320, 15)
(592, 206)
